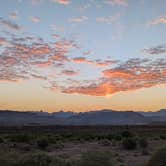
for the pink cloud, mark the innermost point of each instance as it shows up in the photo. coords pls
(78, 19)
(160, 20)
(117, 2)
(63, 2)
(35, 19)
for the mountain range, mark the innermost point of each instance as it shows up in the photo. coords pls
(99, 117)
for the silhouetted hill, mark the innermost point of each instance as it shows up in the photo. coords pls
(100, 117)
(108, 117)
(63, 114)
(8, 117)
(157, 116)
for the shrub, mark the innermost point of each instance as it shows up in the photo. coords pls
(126, 134)
(96, 158)
(158, 159)
(143, 143)
(105, 142)
(37, 159)
(117, 137)
(129, 143)
(162, 136)
(42, 143)
(1, 140)
(20, 138)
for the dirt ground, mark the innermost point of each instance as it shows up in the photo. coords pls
(123, 157)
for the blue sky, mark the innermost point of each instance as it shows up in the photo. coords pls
(83, 47)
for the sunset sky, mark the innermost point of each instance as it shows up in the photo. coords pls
(81, 55)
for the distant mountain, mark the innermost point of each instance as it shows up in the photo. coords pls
(8, 117)
(158, 116)
(100, 117)
(63, 114)
(108, 117)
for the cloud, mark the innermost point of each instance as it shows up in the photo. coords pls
(70, 72)
(108, 19)
(9, 24)
(160, 20)
(93, 90)
(42, 64)
(160, 49)
(39, 77)
(81, 60)
(25, 57)
(132, 75)
(105, 63)
(14, 15)
(84, 7)
(35, 19)
(97, 63)
(2, 41)
(78, 19)
(62, 2)
(117, 2)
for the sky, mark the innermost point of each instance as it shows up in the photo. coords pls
(82, 55)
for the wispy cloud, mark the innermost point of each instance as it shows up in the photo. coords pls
(160, 49)
(63, 2)
(24, 56)
(9, 24)
(70, 72)
(14, 15)
(78, 19)
(35, 19)
(117, 2)
(132, 75)
(2, 41)
(108, 19)
(160, 20)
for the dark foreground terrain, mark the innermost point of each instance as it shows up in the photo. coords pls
(83, 145)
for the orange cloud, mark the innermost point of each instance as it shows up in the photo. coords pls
(94, 90)
(42, 64)
(81, 60)
(118, 74)
(131, 75)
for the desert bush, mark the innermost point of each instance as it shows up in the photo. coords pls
(25, 138)
(37, 159)
(162, 136)
(105, 142)
(129, 143)
(143, 143)
(96, 158)
(1, 140)
(42, 143)
(126, 134)
(117, 137)
(158, 159)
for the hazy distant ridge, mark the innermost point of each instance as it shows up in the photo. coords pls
(100, 117)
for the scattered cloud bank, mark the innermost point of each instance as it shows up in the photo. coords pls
(160, 49)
